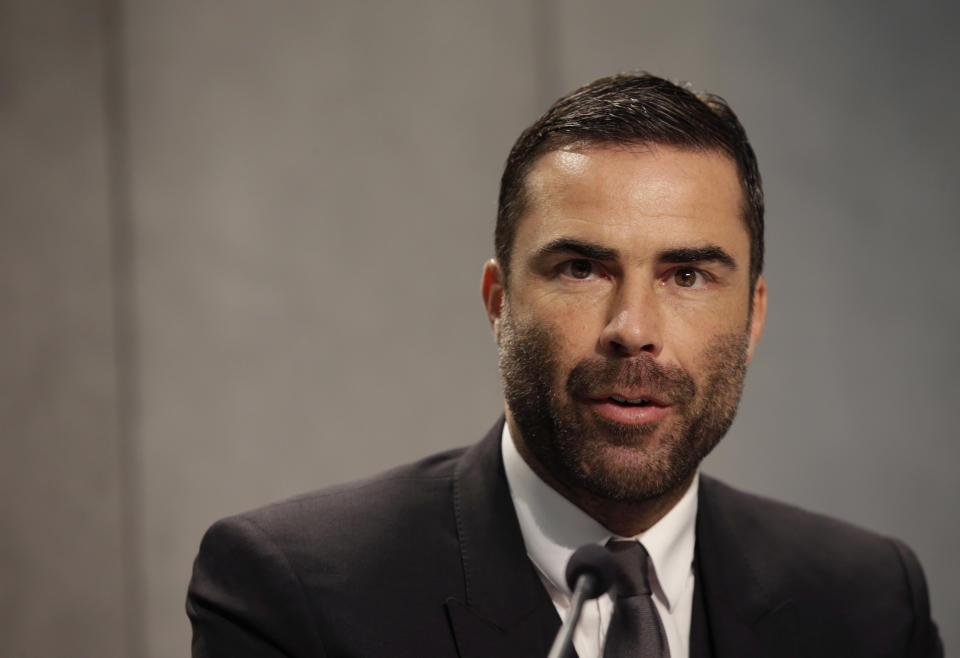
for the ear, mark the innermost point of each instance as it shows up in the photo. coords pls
(491, 289)
(759, 316)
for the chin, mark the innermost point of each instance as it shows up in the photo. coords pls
(631, 475)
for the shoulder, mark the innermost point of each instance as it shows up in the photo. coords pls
(845, 573)
(790, 529)
(396, 504)
(300, 574)
(797, 536)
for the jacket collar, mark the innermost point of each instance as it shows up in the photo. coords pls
(750, 612)
(506, 610)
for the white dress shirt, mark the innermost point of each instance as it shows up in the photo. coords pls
(553, 528)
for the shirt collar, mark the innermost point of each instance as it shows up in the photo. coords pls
(553, 528)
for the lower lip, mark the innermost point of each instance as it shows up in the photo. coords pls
(629, 415)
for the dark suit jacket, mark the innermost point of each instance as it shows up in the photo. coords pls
(427, 560)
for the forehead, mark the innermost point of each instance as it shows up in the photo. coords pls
(635, 193)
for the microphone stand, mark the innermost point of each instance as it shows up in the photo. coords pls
(563, 644)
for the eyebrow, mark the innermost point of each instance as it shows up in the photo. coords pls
(570, 245)
(710, 253)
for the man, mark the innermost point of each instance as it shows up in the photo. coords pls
(626, 299)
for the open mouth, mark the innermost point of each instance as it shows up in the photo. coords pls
(624, 402)
(625, 410)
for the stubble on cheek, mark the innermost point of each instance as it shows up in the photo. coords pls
(528, 363)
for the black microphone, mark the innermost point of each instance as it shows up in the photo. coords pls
(591, 571)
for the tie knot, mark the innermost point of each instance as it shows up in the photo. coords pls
(633, 559)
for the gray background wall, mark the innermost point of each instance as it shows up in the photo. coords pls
(240, 246)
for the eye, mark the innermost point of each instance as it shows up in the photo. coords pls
(579, 268)
(687, 277)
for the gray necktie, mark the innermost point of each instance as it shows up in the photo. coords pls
(635, 630)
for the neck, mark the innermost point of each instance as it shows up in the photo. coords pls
(623, 518)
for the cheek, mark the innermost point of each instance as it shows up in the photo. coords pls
(695, 319)
(718, 357)
(694, 344)
(573, 328)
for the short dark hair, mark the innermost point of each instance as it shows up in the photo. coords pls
(631, 108)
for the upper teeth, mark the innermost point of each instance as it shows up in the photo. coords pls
(617, 398)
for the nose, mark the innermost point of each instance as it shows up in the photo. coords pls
(633, 323)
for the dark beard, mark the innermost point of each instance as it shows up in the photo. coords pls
(610, 460)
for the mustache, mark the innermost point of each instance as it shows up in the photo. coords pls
(670, 384)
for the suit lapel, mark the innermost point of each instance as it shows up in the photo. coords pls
(749, 612)
(506, 610)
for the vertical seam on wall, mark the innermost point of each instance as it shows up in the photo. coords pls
(546, 51)
(120, 219)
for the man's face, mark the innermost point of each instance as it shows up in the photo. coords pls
(626, 327)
